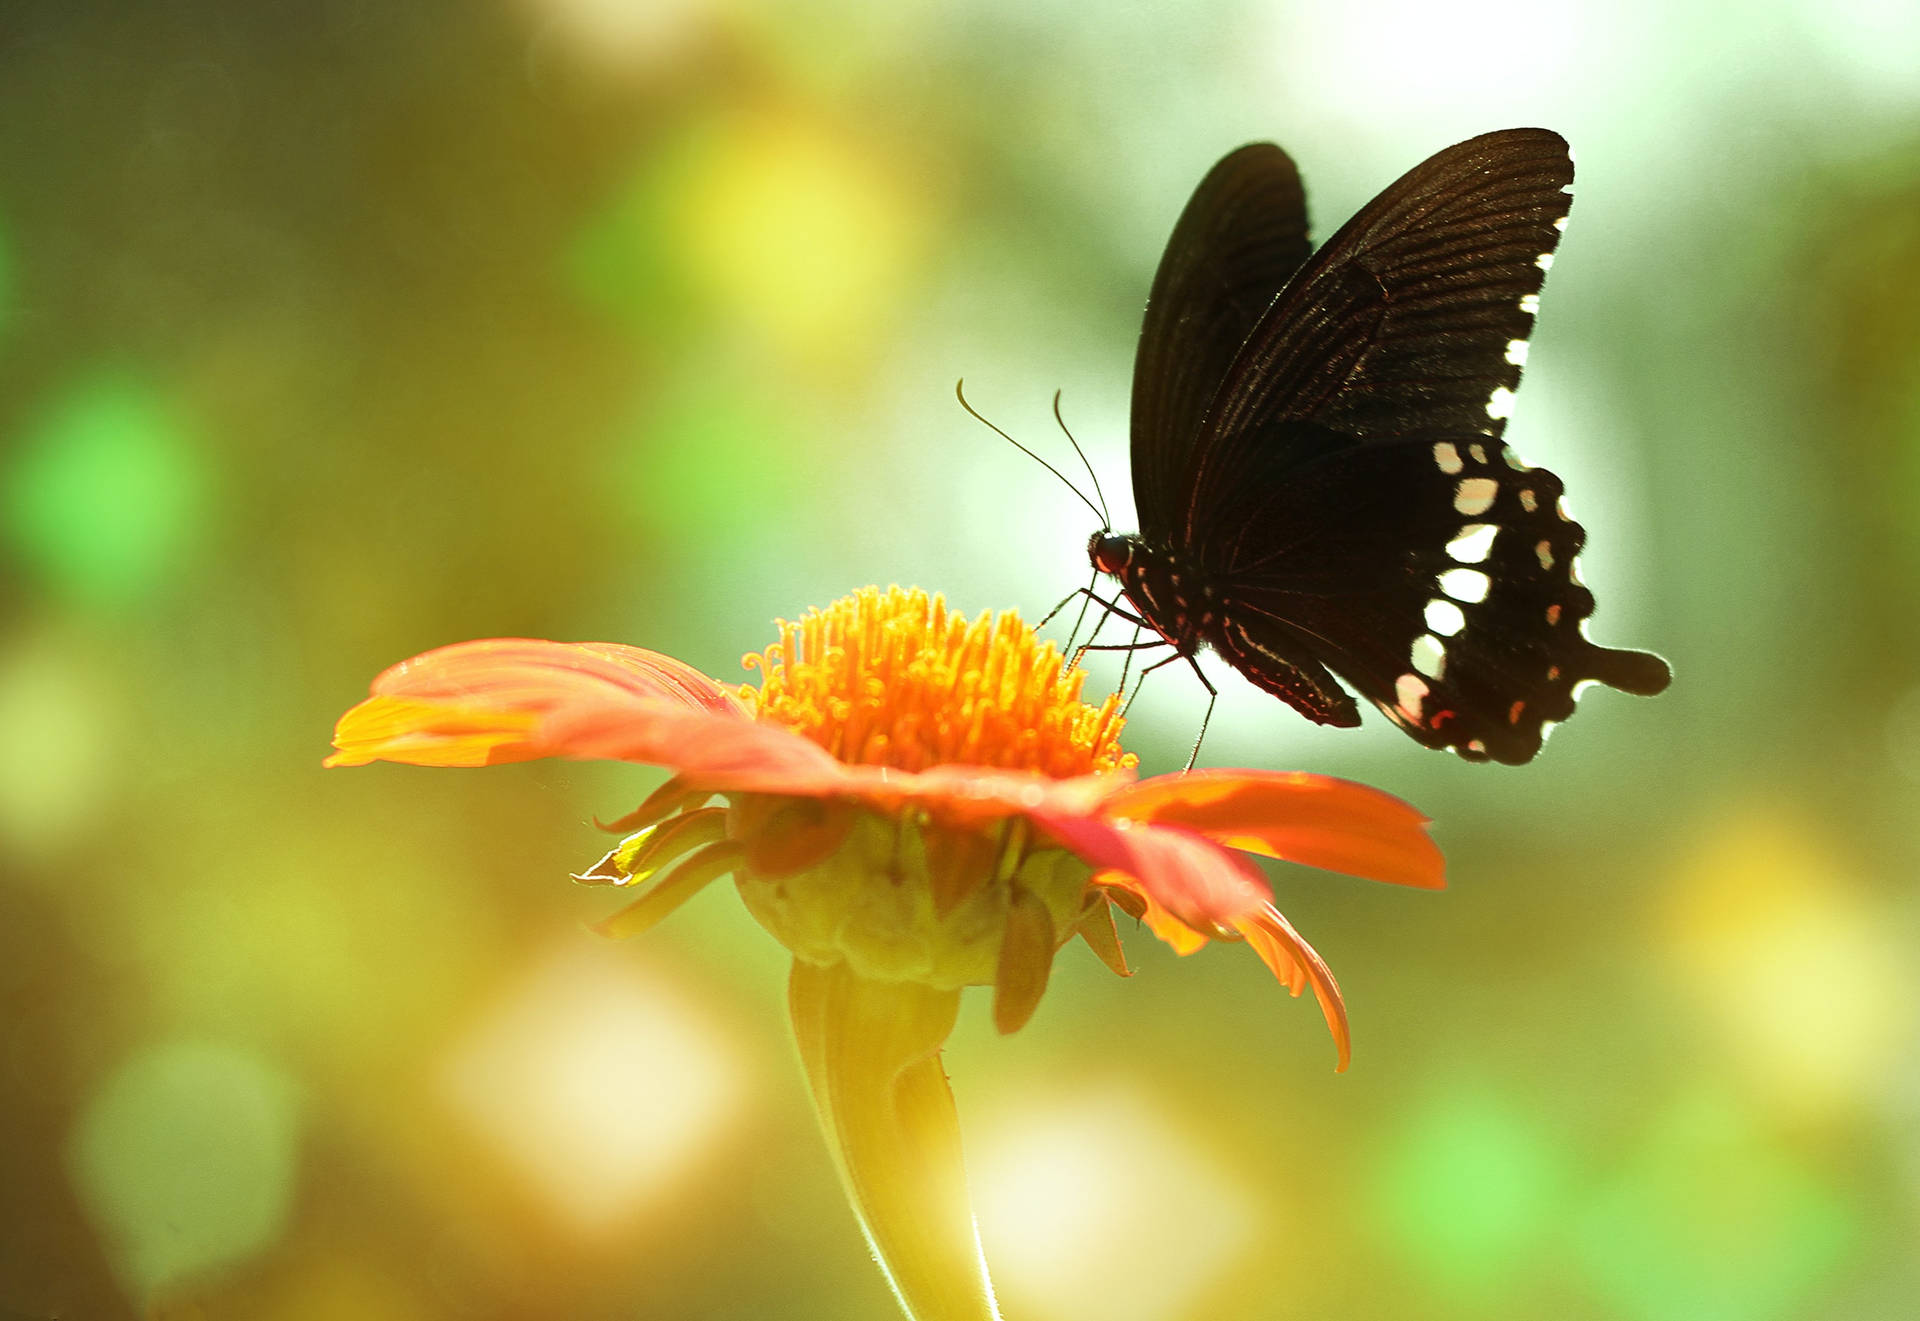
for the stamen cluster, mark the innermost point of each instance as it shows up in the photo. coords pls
(894, 679)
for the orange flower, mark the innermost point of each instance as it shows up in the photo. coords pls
(914, 804)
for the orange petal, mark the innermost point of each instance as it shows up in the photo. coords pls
(1203, 886)
(481, 703)
(1170, 930)
(705, 750)
(1298, 965)
(1312, 819)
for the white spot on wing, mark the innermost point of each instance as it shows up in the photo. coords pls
(1513, 461)
(1409, 691)
(1478, 453)
(1447, 456)
(1475, 495)
(1544, 261)
(1561, 223)
(1517, 352)
(1544, 551)
(1465, 584)
(1500, 403)
(1530, 304)
(1445, 618)
(1473, 543)
(1430, 655)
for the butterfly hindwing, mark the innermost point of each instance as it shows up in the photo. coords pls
(1437, 578)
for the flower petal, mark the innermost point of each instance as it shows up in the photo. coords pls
(1298, 965)
(1203, 885)
(1312, 819)
(703, 749)
(759, 757)
(1172, 932)
(481, 703)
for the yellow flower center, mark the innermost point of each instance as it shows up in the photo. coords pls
(894, 679)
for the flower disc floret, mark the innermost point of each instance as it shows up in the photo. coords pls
(894, 679)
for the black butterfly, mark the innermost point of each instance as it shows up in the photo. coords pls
(1317, 461)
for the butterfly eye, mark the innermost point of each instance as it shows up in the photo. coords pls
(1108, 553)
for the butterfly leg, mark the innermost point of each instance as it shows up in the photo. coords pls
(1213, 696)
(1086, 598)
(1127, 664)
(1135, 645)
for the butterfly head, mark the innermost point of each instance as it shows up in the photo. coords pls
(1109, 553)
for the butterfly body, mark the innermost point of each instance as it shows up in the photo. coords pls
(1317, 455)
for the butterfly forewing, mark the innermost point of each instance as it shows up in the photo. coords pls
(1413, 318)
(1239, 239)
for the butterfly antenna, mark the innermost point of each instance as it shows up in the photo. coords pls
(1106, 519)
(959, 391)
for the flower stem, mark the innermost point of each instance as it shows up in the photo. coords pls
(872, 1054)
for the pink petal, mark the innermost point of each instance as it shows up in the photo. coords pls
(1203, 885)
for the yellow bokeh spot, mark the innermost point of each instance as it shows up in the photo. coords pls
(806, 237)
(1787, 954)
(1105, 1207)
(599, 1085)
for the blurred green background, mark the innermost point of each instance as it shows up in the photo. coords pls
(334, 331)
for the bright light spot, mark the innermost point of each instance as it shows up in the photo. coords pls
(1869, 45)
(57, 753)
(1530, 304)
(1709, 1221)
(1517, 352)
(1500, 403)
(1477, 58)
(1790, 960)
(1465, 584)
(805, 236)
(1447, 456)
(621, 36)
(1467, 1185)
(599, 1084)
(185, 1159)
(1445, 618)
(104, 493)
(1544, 261)
(1103, 1208)
(1474, 543)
